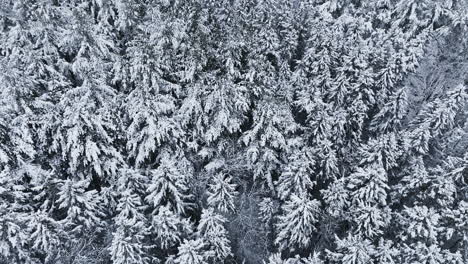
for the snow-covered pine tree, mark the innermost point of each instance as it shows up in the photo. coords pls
(190, 252)
(16, 168)
(266, 140)
(352, 250)
(427, 187)
(392, 114)
(79, 127)
(214, 235)
(296, 224)
(369, 194)
(221, 193)
(297, 177)
(13, 234)
(26, 57)
(130, 223)
(81, 208)
(152, 100)
(44, 236)
(168, 229)
(127, 245)
(169, 184)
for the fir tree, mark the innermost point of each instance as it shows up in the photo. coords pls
(190, 253)
(352, 250)
(168, 185)
(169, 228)
(221, 193)
(213, 234)
(296, 225)
(128, 239)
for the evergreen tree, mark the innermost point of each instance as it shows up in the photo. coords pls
(221, 193)
(213, 234)
(352, 250)
(127, 242)
(169, 185)
(190, 253)
(296, 225)
(82, 207)
(168, 228)
(296, 178)
(44, 236)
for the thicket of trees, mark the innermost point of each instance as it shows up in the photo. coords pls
(233, 131)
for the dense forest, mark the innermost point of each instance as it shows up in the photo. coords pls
(233, 131)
